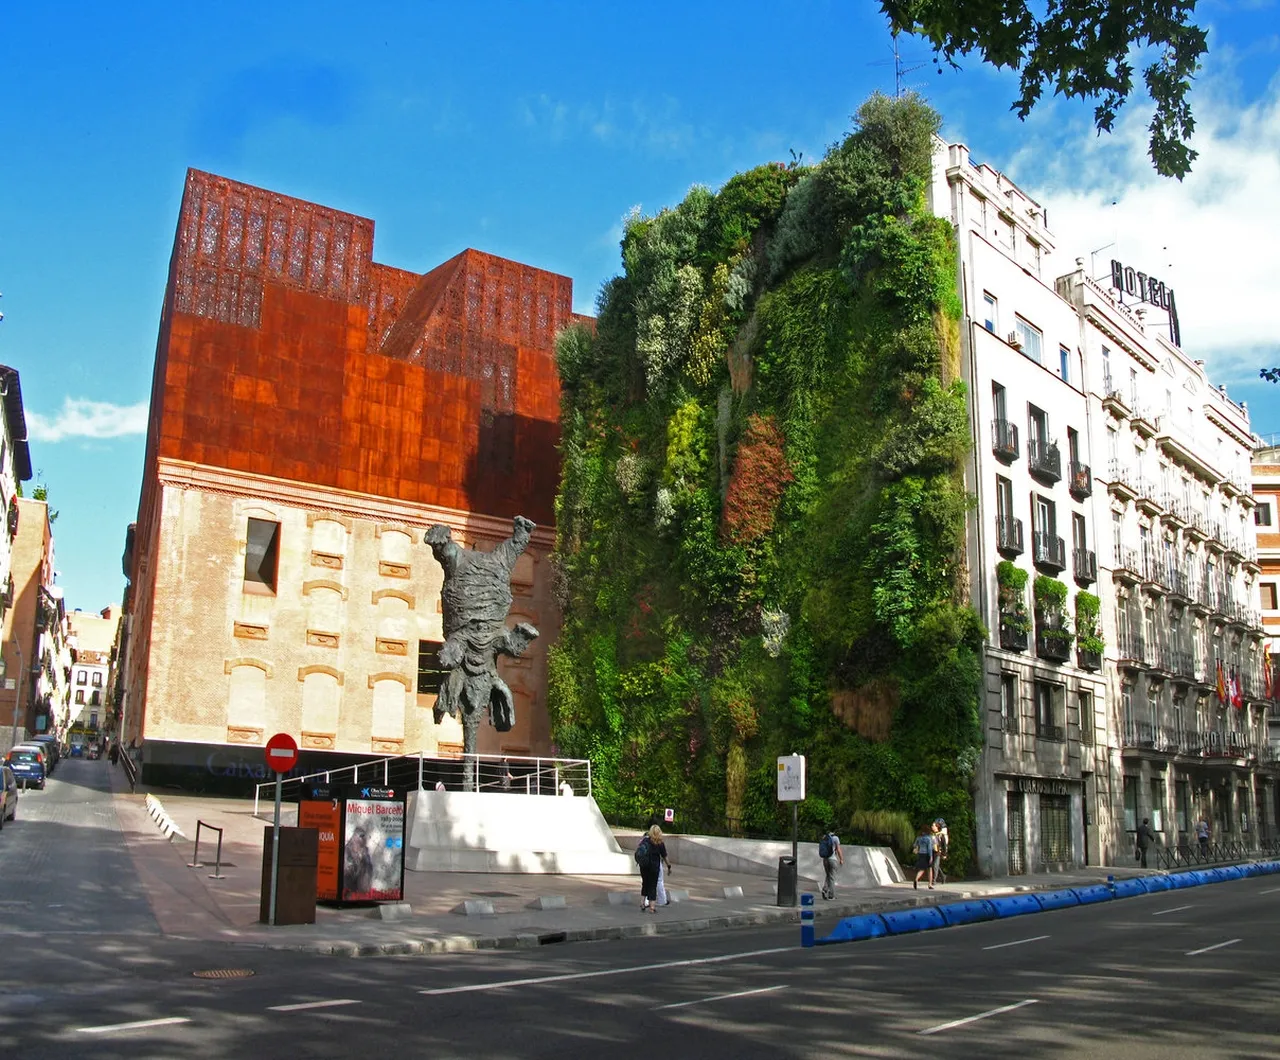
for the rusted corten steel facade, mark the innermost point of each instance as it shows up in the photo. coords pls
(286, 350)
(286, 355)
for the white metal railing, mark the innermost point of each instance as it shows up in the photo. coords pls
(523, 774)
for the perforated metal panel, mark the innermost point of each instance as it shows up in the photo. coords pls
(232, 237)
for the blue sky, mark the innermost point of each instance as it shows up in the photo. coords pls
(527, 130)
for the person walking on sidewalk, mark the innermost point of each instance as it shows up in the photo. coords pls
(1145, 838)
(941, 840)
(831, 854)
(651, 855)
(1202, 834)
(924, 858)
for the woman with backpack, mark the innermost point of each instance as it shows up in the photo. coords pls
(924, 847)
(651, 855)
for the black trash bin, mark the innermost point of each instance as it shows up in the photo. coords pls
(787, 878)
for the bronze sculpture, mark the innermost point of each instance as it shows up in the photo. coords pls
(476, 598)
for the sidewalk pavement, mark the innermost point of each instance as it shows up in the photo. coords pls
(188, 904)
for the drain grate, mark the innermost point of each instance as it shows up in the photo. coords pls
(224, 973)
(494, 894)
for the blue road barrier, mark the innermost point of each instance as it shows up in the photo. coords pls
(1015, 904)
(908, 920)
(966, 912)
(1058, 899)
(1129, 888)
(1099, 892)
(854, 928)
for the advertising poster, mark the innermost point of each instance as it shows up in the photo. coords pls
(373, 846)
(324, 814)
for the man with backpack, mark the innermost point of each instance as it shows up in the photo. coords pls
(831, 854)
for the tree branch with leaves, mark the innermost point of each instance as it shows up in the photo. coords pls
(1080, 49)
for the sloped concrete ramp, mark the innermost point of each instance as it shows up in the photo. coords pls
(863, 866)
(461, 831)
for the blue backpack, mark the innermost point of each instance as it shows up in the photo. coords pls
(643, 854)
(826, 847)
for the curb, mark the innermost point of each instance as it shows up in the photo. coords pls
(613, 932)
(856, 928)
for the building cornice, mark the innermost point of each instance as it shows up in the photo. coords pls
(327, 501)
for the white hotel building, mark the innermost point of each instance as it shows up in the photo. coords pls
(1105, 466)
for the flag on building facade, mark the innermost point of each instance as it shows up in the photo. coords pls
(1223, 693)
(1268, 680)
(1237, 694)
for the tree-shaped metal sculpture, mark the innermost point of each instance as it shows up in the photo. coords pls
(476, 599)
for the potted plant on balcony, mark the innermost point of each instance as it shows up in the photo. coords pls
(1053, 631)
(1014, 621)
(1089, 642)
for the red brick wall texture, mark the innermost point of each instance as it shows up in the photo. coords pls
(285, 350)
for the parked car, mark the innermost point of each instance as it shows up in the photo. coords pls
(27, 764)
(9, 795)
(50, 745)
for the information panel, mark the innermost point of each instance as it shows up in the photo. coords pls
(319, 809)
(372, 845)
(791, 778)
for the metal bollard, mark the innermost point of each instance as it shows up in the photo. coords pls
(806, 920)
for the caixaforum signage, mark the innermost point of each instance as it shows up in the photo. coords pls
(1147, 289)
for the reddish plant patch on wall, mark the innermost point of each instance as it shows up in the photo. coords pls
(760, 475)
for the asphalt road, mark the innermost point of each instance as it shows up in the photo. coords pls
(1182, 974)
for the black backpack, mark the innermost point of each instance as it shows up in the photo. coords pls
(643, 854)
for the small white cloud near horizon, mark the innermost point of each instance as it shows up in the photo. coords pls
(83, 418)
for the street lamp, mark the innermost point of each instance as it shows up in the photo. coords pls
(17, 701)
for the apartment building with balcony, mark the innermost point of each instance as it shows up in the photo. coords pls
(1032, 539)
(1178, 576)
(1266, 520)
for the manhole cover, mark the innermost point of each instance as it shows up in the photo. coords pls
(494, 894)
(224, 973)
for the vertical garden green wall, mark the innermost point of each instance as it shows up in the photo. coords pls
(761, 516)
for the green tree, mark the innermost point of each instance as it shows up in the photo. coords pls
(1080, 49)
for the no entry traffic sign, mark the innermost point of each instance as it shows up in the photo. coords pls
(282, 752)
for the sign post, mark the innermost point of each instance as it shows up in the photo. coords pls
(282, 756)
(791, 789)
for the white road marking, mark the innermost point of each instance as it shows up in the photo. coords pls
(136, 1026)
(1270, 890)
(1175, 909)
(980, 1016)
(500, 984)
(1020, 942)
(1216, 946)
(725, 997)
(313, 1004)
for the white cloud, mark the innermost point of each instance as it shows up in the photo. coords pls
(1214, 238)
(82, 418)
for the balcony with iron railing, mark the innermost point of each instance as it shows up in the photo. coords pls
(1179, 581)
(1128, 565)
(1154, 569)
(1081, 480)
(1175, 510)
(1132, 649)
(1084, 564)
(1048, 551)
(1013, 632)
(1004, 440)
(1145, 420)
(1009, 536)
(1150, 498)
(1122, 480)
(1044, 461)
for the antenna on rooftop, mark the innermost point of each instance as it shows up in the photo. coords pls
(901, 66)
